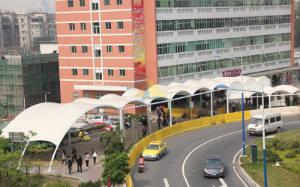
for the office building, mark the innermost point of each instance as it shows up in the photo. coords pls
(110, 46)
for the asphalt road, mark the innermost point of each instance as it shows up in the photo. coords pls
(224, 140)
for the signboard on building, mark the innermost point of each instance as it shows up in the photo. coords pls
(231, 73)
(138, 38)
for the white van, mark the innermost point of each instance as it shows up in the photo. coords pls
(273, 123)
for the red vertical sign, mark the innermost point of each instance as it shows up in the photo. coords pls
(138, 38)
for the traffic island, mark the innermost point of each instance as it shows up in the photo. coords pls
(283, 147)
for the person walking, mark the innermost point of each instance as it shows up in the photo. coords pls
(86, 158)
(158, 122)
(165, 123)
(173, 121)
(198, 115)
(70, 164)
(144, 121)
(144, 131)
(184, 113)
(64, 157)
(74, 154)
(95, 156)
(233, 107)
(79, 164)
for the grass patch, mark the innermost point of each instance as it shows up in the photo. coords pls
(49, 180)
(287, 174)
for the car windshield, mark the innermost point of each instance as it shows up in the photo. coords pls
(213, 162)
(257, 121)
(151, 146)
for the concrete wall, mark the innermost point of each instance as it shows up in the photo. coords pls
(48, 48)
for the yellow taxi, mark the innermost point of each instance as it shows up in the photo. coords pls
(154, 150)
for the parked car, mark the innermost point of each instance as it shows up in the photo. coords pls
(96, 118)
(108, 128)
(213, 166)
(74, 129)
(84, 128)
(95, 124)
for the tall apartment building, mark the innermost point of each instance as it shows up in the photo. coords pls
(109, 46)
(20, 30)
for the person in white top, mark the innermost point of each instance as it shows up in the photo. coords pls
(86, 158)
(261, 107)
(95, 156)
(233, 107)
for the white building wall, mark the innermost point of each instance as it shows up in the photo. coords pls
(48, 48)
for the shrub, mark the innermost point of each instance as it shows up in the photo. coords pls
(290, 155)
(279, 146)
(272, 157)
(296, 151)
(98, 183)
(115, 146)
(275, 142)
(57, 185)
(295, 145)
(268, 146)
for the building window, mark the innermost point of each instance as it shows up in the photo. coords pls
(22, 20)
(85, 72)
(74, 72)
(99, 95)
(73, 49)
(122, 72)
(109, 49)
(70, 3)
(72, 26)
(119, 2)
(121, 49)
(110, 72)
(97, 53)
(82, 3)
(84, 49)
(98, 75)
(107, 25)
(83, 26)
(22, 26)
(95, 6)
(96, 28)
(120, 25)
(86, 95)
(75, 96)
(106, 2)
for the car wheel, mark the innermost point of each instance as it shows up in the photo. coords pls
(86, 123)
(278, 130)
(158, 157)
(165, 151)
(250, 134)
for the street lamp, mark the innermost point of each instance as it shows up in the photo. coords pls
(243, 117)
(224, 87)
(46, 95)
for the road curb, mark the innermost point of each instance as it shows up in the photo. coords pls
(242, 173)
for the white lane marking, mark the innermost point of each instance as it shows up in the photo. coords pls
(182, 168)
(223, 182)
(291, 122)
(166, 182)
(235, 169)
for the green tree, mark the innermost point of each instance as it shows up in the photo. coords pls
(9, 161)
(98, 183)
(33, 150)
(115, 168)
(114, 141)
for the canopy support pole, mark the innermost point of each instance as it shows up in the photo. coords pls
(227, 102)
(170, 112)
(211, 103)
(121, 121)
(69, 137)
(23, 154)
(270, 101)
(53, 157)
(257, 101)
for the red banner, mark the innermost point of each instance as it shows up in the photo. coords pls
(138, 38)
(230, 73)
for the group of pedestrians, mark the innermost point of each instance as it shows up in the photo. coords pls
(68, 161)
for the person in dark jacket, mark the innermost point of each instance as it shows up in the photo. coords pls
(79, 164)
(158, 122)
(165, 123)
(144, 122)
(70, 164)
(144, 131)
(74, 155)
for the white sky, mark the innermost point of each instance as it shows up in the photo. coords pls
(21, 4)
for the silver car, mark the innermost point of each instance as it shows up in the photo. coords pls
(96, 118)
